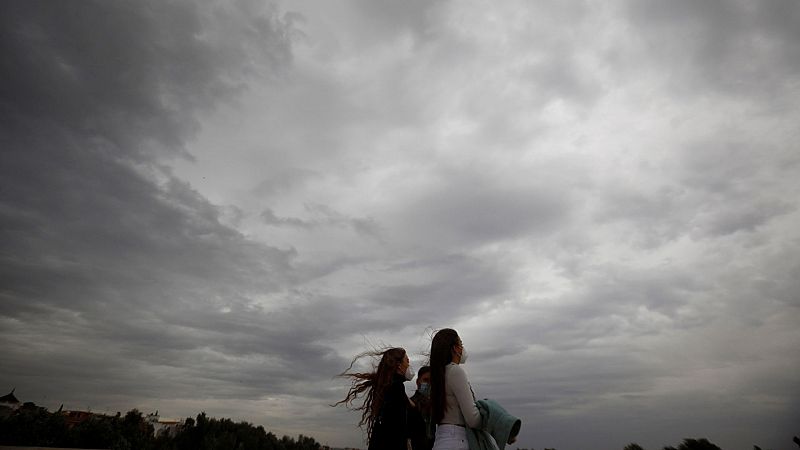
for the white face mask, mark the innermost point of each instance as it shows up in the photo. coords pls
(409, 373)
(463, 355)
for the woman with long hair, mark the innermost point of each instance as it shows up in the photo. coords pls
(452, 400)
(385, 406)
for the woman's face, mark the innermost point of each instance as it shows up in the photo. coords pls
(458, 349)
(401, 369)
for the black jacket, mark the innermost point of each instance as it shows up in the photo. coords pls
(420, 427)
(390, 430)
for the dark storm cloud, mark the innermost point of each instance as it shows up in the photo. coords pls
(112, 268)
(603, 205)
(128, 74)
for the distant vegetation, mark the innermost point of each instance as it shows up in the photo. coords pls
(38, 427)
(687, 444)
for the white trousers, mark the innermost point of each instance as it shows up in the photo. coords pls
(450, 437)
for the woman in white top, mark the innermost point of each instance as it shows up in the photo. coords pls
(452, 400)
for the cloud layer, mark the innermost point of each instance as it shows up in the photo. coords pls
(215, 207)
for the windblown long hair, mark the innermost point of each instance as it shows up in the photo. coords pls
(441, 355)
(373, 383)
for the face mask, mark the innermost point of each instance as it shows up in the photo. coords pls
(425, 389)
(409, 373)
(463, 355)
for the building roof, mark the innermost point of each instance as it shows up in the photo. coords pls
(9, 398)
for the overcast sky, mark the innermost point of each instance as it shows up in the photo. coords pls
(213, 206)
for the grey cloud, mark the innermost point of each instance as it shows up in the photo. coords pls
(134, 76)
(389, 17)
(727, 182)
(112, 268)
(659, 215)
(558, 76)
(720, 162)
(662, 289)
(128, 285)
(609, 300)
(467, 207)
(746, 217)
(172, 350)
(285, 181)
(401, 293)
(269, 217)
(324, 216)
(721, 182)
(782, 284)
(726, 47)
(462, 280)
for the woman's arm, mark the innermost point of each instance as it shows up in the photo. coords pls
(394, 412)
(459, 386)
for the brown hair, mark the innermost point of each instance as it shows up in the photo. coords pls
(373, 383)
(441, 355)
(422, 371)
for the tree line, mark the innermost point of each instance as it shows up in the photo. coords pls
(687, 444)
(41, 428)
